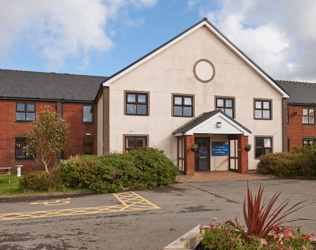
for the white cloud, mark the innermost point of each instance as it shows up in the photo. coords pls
(59, 29)
(278, 35)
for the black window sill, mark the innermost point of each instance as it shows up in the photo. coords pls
(23, 122)
(24, 159)
(88, 123)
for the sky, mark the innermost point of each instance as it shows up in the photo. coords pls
(100, 37)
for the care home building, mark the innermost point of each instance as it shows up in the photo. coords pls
(196, 88)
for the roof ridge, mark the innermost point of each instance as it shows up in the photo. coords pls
(50, 73)
(296, 81)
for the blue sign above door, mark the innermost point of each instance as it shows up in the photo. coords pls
(220, 148)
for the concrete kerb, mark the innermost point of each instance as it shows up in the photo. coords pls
(188, 241)
(69, 193)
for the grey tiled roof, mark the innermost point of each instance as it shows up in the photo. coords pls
(29, 84)
(201, 118)
(300, 92)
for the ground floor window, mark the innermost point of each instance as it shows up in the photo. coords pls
(308, 142)
(88, 146)
(263, 146)
(180, 157)
(135, 142)
(19, 153)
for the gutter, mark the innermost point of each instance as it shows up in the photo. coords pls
(184, 154)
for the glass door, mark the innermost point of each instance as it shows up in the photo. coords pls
(202, 156)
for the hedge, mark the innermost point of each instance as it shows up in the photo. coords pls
(138, 169)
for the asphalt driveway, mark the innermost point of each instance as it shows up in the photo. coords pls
(160, 215)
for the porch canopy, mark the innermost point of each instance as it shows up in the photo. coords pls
(213, 123)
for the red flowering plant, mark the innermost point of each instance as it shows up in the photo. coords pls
(265, 227)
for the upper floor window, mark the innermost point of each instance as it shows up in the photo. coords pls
(25, 111)
(135, 142)
(88, 113)
(19, 153)
(308, 116)
(183, 106)
(136, 104)
(226, 105)
(262, 110)
(263, 146)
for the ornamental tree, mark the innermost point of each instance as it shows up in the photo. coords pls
(47, 136)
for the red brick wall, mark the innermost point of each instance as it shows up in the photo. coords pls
(296, 131)
(189, 155)
(78, 130)
(242, 154)
(9, 129)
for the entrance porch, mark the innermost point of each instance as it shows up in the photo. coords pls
(220, 142)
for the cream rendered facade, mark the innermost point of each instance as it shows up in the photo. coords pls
(171, 72)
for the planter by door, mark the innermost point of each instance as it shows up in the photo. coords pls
(194, 150)
(247, 149)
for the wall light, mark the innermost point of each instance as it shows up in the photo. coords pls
(219, 124)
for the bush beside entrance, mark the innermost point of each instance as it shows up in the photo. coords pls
(138, 169)
(301, 162)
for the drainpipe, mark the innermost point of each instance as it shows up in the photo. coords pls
(183, 153)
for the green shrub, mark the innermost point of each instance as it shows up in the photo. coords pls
(301, 162)
(42, 181)
(138, 169)
(280, 164)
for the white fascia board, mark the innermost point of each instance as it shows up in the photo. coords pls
(191, 131)
(178, 134)
(204, 23)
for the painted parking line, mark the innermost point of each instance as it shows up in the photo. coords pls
(53, 203)
(130, 202)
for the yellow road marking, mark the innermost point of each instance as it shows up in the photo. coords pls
(130, 202)
(56, 203)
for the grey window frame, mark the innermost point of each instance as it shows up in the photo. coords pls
(262, 109)
(136, 102)
(25, 111)
(308, 108)
(182, 105)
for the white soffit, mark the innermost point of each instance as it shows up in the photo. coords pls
(209, 127)
(218, 35)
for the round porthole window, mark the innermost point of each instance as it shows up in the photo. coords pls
(204, 70)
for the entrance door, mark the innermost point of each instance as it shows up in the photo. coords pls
(202, 156)
(233, 155)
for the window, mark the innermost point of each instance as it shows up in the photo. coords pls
(19, 153)
(136, 104)
(88, 113)
(226, 105)
(263, 146)
(135, 142)
(308, 142)
(180, 158)
(308, 116)
(183, 106)
(25, 111)
(263, 110)
(88, 147)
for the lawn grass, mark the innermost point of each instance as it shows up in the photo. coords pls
(12, 188)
